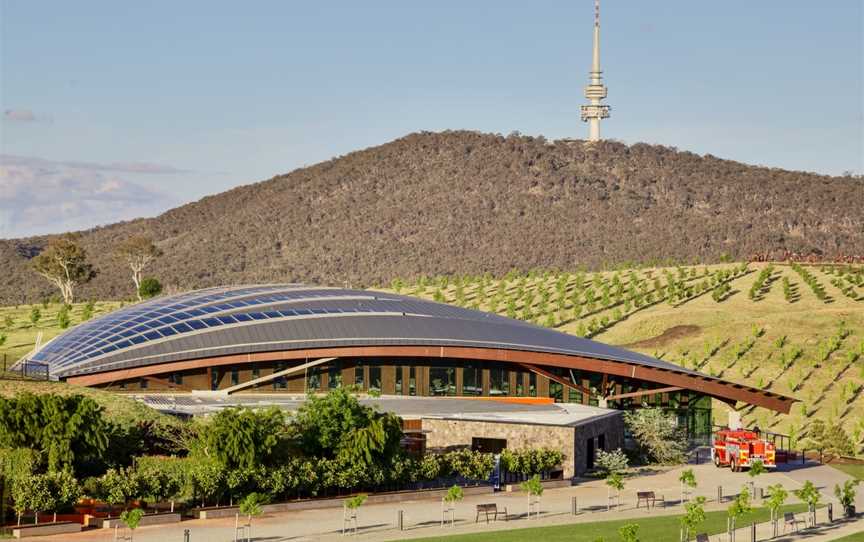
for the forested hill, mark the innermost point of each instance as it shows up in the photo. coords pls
(465, 202)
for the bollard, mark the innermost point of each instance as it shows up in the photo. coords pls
(830, 512)
(400, 520)
(719, 494)
(753, 532)
(574, 505)
(186, 537)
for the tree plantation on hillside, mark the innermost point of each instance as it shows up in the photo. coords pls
(793, 329)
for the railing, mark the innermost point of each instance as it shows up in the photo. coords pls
(24, 369)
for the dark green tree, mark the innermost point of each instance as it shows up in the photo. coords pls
(65, 429)
(242, 437)
(150, 287)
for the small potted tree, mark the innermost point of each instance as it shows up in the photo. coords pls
(846, 495)
(614, 481)
(688, 482)
(756, 468)
(349, 511)
(694, 515)
(448, 504)
(250, 507)
(739, 507)
(777, 495)
(131, 518)
(534, 489)
(810, 495)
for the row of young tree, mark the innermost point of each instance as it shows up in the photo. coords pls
(64, 264)
(64, 447)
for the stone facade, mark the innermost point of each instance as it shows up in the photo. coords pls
(444, 434)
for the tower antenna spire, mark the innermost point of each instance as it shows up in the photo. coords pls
(596, 91)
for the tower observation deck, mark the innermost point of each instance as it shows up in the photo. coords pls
(595, 111)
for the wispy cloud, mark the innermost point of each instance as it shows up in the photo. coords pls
(39, 196)
(24, 115)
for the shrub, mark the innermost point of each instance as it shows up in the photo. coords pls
(150, 287)
(63, 319)
(657, 435)
(609, 462)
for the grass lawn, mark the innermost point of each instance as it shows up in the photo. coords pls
(651, 529)
(855, 471)
(852, 538)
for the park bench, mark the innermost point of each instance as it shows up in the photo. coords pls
(702, 537)
(789, 519)
(650, 499)
(490, 509)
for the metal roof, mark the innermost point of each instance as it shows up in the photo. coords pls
(261, 318)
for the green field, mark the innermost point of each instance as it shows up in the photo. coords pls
(650, 529)
(855, 471)
(852, 538)
(785, 337)
(791, 337)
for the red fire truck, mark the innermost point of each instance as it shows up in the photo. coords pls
(740, 448)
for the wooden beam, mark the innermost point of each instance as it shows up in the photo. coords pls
(166, 382)
(643, 392)
(556, 378)
(707, 385)
(274, 376)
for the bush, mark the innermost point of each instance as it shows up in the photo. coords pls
(609, 462)
(657, 435)
(149, 287)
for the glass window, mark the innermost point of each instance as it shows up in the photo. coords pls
(520, 387)
(556, 391)
(398, 389)
(472, 380)
(152, 335)
(182, 328)
(211, 322)
(227, 319)
(280, 382)
(314, 382)
(442, 381)
(138, 339)
(412, 381)
(195, 324)
(167, 331)
(214, 379)
(256, 372)
(334, 376)
(235, 376)
(375, 378)
(144, 383)
(532, 384)
(242, 317)
(358, 375)
(499, 381)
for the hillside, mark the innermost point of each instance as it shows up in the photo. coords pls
(784, 336)
(465, 202)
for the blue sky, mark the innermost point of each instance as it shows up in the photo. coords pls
(113, 110)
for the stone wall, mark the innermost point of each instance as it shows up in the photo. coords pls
(446, 434)
(612, 429)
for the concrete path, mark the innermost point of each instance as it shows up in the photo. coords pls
(422, 518)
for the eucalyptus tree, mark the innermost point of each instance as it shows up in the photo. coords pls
(64, 264)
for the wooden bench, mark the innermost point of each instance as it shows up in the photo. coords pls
(650, 499)
(490, 509)
(789, 519)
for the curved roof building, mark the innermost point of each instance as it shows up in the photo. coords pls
(299, 338)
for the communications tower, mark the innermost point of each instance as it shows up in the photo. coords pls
(595, 111)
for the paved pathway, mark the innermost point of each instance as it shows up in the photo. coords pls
(422, 518)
